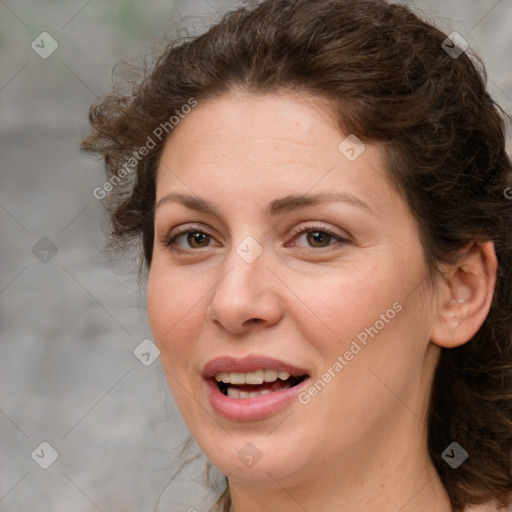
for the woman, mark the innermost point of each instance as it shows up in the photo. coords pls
(321, 198)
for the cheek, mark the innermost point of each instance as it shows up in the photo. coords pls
(174, 312)
(336, 308)
(362, 387)
(175, 318)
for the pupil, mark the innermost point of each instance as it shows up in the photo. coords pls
(196, 239)
(318, 238)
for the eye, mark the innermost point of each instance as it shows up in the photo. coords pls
(319, 237)
(314, 236)
(189, 239)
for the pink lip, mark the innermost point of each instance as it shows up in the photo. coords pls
(228, 364)
(250, 409)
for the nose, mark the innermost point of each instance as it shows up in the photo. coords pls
(248, 296)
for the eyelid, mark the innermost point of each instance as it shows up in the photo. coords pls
(315, 226)
(185, 228)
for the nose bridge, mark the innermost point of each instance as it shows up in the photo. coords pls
(246, 271)
(246, 291)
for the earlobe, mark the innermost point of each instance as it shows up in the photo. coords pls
(465, 296)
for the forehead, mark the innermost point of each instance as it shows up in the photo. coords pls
(260, 144)
(276, 120)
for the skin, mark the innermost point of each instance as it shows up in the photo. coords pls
(359, 444)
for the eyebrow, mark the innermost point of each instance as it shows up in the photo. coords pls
(275, 208)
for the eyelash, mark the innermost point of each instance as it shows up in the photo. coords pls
(312, 228)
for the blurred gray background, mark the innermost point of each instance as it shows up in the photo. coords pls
(70, 317)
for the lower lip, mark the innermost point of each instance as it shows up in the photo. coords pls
(250, 409)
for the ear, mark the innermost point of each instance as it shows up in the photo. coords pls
(464, 296)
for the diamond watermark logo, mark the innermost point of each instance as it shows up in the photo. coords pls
(146, 352)
(455, 45)
(352, 148)
(249, 250)
(454, 455)
(249, 455)
(45, 455)
(44, 250)
(44, 45)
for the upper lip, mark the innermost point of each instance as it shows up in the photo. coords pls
(229, 364)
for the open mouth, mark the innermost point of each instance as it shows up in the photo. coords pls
(254, 384)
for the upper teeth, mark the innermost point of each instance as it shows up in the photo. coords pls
(257, 377)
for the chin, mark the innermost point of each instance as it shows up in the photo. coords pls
(253, 458)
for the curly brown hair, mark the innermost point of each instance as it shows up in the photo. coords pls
(389, 79)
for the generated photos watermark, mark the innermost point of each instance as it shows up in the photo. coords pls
(158, 135)
(355, 348)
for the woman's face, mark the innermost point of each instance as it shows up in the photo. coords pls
(280, 248)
